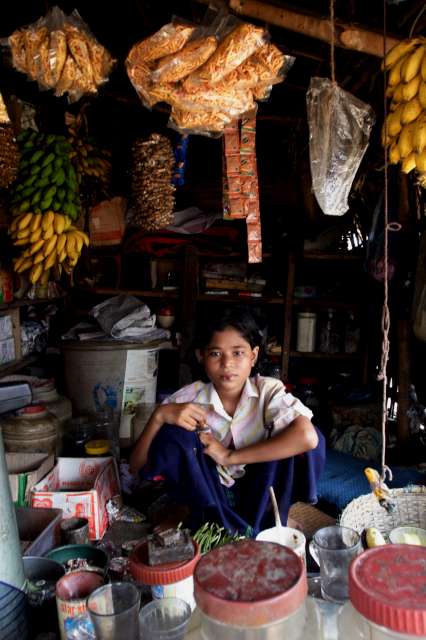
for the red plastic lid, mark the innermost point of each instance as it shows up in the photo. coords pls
(308, 381)
(168, 573)
(387, 585)
(250, 583)
(32, 409)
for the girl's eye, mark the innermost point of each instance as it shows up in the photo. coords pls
(238, 353)
(214, 354)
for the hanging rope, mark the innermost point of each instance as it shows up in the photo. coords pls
(385, 312)
(332, 61)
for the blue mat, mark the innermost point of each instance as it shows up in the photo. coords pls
(343, 478)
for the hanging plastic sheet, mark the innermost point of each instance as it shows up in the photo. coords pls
(339, 130)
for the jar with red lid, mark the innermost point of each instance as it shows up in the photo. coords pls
(387, 592)
(30, 430)
(253, 590)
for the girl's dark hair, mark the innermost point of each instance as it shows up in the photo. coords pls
(238, 318)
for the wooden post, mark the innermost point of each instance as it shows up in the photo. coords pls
(347, 36)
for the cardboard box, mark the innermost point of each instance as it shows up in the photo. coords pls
(25, 470)
(7, 350)
(6, 327)
(81, 487)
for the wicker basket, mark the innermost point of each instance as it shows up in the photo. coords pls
(365, 511)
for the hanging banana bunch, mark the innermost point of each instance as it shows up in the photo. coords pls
(45, 201)
(404, 132)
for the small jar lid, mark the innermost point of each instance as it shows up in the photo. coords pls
(250, 583)
(167, 573)
(97, 447)
(32, 410)
(387, 585)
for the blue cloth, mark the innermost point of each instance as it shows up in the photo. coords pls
(191, 478)
(343, 478)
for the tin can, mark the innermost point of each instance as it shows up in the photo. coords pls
(71, 597)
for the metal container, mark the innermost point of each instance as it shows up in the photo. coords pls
(121, 375)
(306, 331)
(72, 592)
(42, 575)
(75, 531)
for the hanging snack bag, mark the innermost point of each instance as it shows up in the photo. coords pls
(177, 66)
(60, 53)
(208, 123)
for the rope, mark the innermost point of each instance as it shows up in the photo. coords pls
(385, 313)
(332, 61)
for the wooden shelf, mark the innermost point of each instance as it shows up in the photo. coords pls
(157, 293)
(326, 304)
(321, 255)
(27, 302)
(15, 365)
(318, 355)
(203, 297)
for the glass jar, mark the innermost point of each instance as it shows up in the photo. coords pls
(387, 595)
(254, 590)
(31, 430)
(329, 337)
(352, 334)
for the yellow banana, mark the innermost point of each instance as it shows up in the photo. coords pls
(421, 161)
(410, 89)
(47, 221)
(36, 235)
(13, 225)
(24, 221)
(374, 538)
(50, 260)
(57, 271)
(394, 156)
(423, 69)
(399, 50)
(39, 257)
(44, 279)
(61, 242)
(21, 242)
(397, 96)
(67, 223)
(78, 241)
(405, 141)
(84, 236)
(409, 163)
(26, 264)
(35, 273)
(59, 223)
(70, 246)
(394, 75)
(393, 121)
(25, 233)
(412, 64)
(48, 233)
(62, 255)
(49, 245)
(422, 94)
(411, 111)
(73, 260)
(419, 135)
(36, 246)
(18, 262)
(36, 222)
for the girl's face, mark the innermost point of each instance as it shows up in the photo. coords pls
(228, 361)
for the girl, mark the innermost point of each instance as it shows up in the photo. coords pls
(221, 444)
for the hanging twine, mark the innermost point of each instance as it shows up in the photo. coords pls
(332, 61)
(385, 312)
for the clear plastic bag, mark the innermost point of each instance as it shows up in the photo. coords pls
(339, 130)
(177, 66)
(60, 53)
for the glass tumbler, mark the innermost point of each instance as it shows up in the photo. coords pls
(114, 610)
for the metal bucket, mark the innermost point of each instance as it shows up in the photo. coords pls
(72, 592)
(122, 375)
(13, 613)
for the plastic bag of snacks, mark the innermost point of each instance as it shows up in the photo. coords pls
(339, 130)
(60, 53)
(175, 67)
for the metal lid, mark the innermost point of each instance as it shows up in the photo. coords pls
(97, 447)
(167, 573)
(250, 583)
(387, 585)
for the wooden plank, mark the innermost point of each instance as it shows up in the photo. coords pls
(16, 329)
(288, 315)
(346, 35)
(16, 365)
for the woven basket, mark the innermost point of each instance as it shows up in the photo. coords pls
(365, 511)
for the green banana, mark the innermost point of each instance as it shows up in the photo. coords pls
(49, 193)
(36, 197)
(35, 169)
(42, 182)
(36, 156)
(24, 206)
(47, 171)
(61, 192)
(45, 204)
(56, 206)
(59, 178)
(48, 159)
(29, 181)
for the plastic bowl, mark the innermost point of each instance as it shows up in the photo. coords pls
(164, 619)
(408, 535)
(94, 556)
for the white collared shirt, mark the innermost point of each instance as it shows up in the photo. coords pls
(264, 402)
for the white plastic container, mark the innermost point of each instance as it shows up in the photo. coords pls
(254, 590)
(387, 590)
(306, 331)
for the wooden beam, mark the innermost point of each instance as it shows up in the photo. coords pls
(346, 36)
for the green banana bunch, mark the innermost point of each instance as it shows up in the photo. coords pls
(46, 178)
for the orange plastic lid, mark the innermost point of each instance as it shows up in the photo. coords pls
(97, 447)
(32, 409)
(167, 573)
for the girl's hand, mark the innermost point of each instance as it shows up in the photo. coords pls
(187, 415)
(216, 450)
